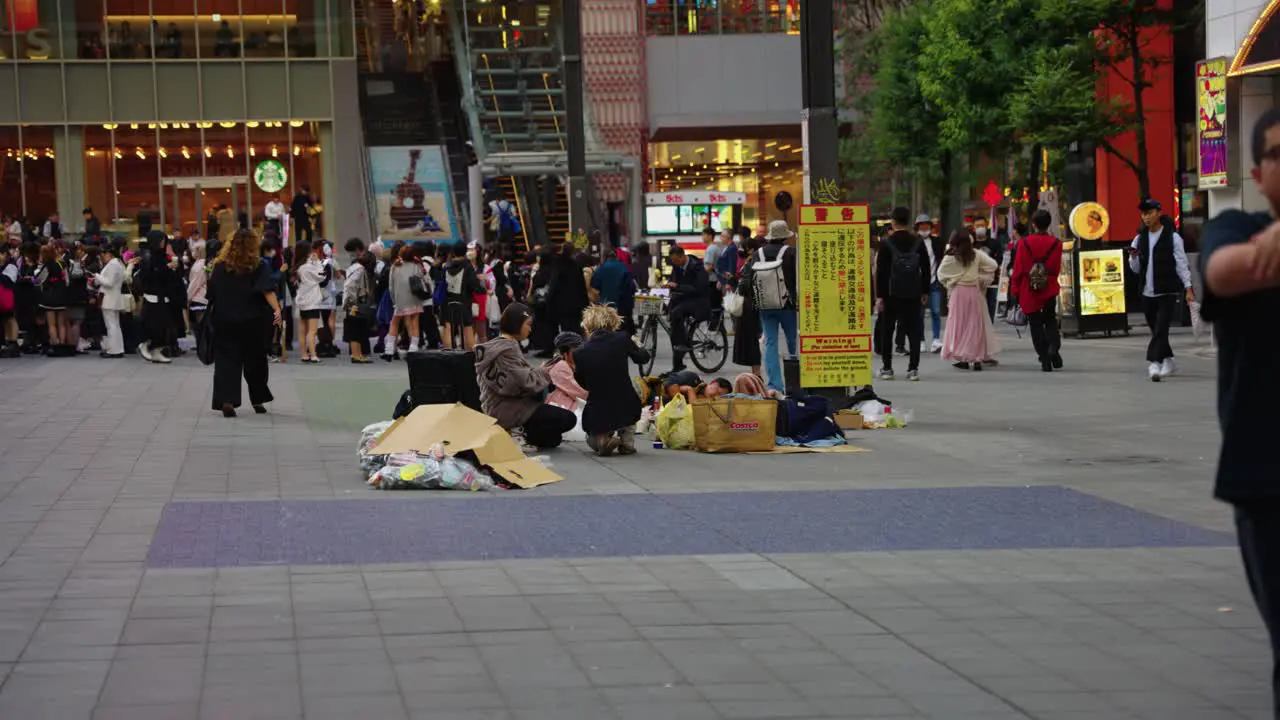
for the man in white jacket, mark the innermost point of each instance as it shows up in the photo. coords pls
(110, 283)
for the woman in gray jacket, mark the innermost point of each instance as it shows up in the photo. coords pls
(512, 390)
(406, 304)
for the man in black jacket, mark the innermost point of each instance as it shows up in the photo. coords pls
(902, 290)
(690, 300)
(300, 215)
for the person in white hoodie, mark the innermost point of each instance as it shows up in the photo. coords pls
(309, 266)
(110, 282)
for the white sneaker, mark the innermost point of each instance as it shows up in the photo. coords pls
(1168, 368)
(144, 352)
(160, 358)
(936, 346)
(1153, 372)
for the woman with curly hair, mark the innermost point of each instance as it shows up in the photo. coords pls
(243, 309)
(602, 366)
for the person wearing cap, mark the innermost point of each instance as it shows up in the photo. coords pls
(511, 389)
(1159, 257)
(567, 393)
(936, 248)
(786, 317)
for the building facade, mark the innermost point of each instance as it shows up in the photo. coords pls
(1247, 34)
(175, 107)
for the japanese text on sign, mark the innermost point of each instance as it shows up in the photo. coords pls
(834, 279)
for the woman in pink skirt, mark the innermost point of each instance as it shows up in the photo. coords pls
(969, 339)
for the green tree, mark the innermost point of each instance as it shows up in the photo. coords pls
(1058, 100)
(902, 125)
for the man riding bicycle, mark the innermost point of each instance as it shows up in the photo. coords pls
(690, 300)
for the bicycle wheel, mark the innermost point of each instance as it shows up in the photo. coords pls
(649, 341)
(709, 345)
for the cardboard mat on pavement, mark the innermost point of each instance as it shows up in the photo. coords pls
(459, 429)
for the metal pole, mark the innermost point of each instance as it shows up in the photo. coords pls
(818, 93)
(475, 209)
(571, 63)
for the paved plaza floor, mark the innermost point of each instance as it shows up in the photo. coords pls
(1033, 546)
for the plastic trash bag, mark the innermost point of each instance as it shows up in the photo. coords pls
(368, 436)
(876, 414)
(414, 471)
(1198, 324)
(675, 424)
(577, 434)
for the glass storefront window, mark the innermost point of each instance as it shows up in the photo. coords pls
(268, 142)
(176, 28)
(99, 173)
(306, 36)
(221, 30)
(728, 17)
(128, 27)
(137, 172)
(39, 174)
(266, 28)
(91, 36)
(307, 172)
(10, 172)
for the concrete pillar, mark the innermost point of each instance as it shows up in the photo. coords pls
(68, 149)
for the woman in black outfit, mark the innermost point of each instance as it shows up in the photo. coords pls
(541, 285)
(242, 304)
(153, 280)
(746, 329)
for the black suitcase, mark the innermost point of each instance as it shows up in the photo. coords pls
(443, 376)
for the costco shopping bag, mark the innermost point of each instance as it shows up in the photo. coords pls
(735, 425)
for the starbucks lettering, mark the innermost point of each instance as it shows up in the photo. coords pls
(34, 44)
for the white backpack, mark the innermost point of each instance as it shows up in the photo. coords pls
(770, 282)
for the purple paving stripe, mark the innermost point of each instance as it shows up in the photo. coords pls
(417, 529)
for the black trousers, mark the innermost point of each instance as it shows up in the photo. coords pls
(1159, 313)
(546, 427)
(429, 327)
(682, 314)
(301, 231)
(1045, 336)
(240, 348)
(904, 314)
(1258, 530)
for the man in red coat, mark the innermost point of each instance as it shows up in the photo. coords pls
(1034, 286)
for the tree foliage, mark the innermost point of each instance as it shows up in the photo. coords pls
(999, 77)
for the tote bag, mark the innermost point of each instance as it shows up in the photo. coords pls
(734, 426)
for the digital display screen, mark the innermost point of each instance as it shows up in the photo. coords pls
(660, 219)
(686, 218)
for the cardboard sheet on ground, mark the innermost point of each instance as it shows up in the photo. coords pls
(458, 429)
(785, 450)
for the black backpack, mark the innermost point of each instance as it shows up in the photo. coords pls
(904, 273)
(1038, 276)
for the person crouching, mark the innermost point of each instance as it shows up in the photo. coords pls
(601, 367)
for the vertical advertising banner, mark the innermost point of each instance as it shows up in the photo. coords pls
(834, 282)
(1211, 126)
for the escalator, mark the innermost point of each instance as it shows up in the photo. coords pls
(509, 56)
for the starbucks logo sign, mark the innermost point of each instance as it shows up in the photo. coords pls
(270, 176)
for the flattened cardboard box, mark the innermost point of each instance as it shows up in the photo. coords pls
(458, 429)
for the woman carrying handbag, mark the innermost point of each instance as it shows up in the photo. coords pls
(359, 310)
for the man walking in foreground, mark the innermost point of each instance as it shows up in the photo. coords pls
(902, 280)
(1158, 255)
(1240, 258)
